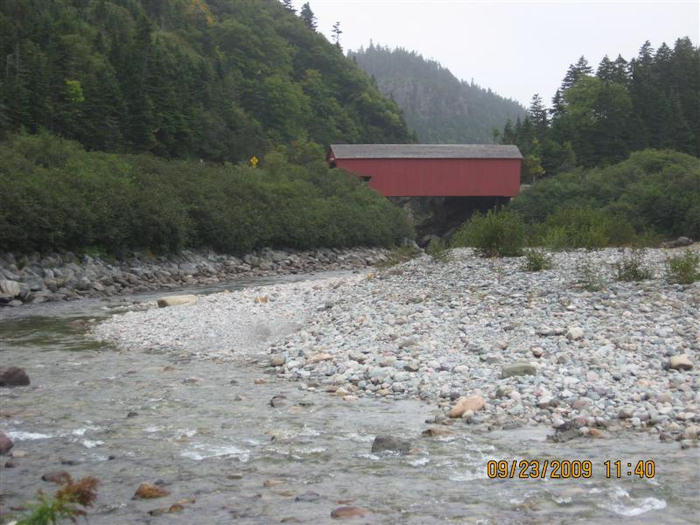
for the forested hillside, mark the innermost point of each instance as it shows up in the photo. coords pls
(597, 118)
(437, 106)
(215, 79)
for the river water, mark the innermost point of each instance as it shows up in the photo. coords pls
(207, 431)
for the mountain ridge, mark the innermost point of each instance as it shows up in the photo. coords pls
(438, 106)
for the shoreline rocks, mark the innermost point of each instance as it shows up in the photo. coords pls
(67, 276)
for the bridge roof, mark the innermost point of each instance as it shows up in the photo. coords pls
(425, 151)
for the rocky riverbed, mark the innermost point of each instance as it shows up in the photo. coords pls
(490, 344)
(67, 276)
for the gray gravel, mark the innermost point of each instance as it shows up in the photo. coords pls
(537, 347)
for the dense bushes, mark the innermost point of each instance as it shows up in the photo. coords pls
(496, 234)
(573, 227)
(651, 195)
(58, 196)
(653, 192)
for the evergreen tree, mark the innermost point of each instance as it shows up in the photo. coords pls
(336, 34)
(557, 104)
(621, 71)
(538, 116)
(288, 5)
(575, 72)
(606, 70)
(308, 16)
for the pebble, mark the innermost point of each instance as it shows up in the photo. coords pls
(13, 376)
(519, 368)
(59, 477)
(5, 443)
(277, 360)
(574, 333)
(348, 512)
(149, 491)
(680, 362)
(473, 403)
(390, 444)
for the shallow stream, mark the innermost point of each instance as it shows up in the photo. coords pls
(207, 431)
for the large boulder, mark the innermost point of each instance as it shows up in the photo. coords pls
(13, 376)
(176, 300)
(678, 243)
(10, 288)
(35, 283)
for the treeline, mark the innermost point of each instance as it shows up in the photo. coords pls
(217, 79)
(598, 118)
(439, 107)
(57, 196)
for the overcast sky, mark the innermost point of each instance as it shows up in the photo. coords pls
(516, 48)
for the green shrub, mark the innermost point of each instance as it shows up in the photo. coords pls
(589, 277)
(57, 196)
(653, 190)
(579, 228)
(438, 250)
(683, 269)
(496, 234)
(537, 260)
(631, 267)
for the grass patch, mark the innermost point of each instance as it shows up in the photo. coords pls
(632, 268)
(537, 260)
(438, 250)
(683, 269)
(588, 277)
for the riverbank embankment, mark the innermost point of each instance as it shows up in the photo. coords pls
(67, 276)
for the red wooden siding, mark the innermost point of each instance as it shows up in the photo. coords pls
(431, 177)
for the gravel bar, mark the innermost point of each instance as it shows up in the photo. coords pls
(490, 344)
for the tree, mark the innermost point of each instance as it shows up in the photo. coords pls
(307, 15)
(575, 72)
(538, 116)
(336, 34)
(557, 104)
(288, 5)
(606, 70)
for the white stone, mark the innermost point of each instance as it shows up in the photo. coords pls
(177, 300)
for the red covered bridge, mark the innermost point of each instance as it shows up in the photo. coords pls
(433, 170)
